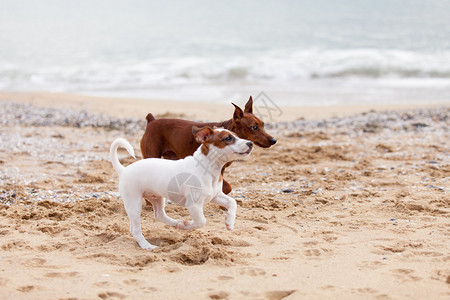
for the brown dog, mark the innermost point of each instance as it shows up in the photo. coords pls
(173, 138)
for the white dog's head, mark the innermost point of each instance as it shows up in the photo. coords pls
(221, 144)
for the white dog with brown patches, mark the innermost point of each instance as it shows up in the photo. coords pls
(191, 182)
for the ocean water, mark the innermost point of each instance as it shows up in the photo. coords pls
(298, 52)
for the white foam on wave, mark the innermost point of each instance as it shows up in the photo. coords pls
(295, 72)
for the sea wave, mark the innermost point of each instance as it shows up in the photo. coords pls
(274, 67)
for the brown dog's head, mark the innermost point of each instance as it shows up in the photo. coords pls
(250, 127)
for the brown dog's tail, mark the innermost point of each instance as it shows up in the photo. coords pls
(150, 118)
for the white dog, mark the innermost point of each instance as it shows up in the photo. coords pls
(191, 182)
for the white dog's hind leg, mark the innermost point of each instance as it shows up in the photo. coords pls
(159, 204)
(230, 204)
(133, 207)
(198, 218)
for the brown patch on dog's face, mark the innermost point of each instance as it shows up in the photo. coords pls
(206, 136)
(250, 127)
(220, 139)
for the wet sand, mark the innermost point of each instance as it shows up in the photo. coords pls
(351, 207)
(137, 108)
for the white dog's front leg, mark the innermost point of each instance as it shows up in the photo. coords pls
(198, 218)
(230, 204)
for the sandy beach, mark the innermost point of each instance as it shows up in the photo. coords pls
(351, 203)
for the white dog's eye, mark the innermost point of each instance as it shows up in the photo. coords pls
(228, 138)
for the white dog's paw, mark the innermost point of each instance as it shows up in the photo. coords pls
(229, 226)
(175, 223)
(184, 224)
(229, 221)
(147, 246)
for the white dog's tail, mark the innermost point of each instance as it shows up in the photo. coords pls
(113, 153)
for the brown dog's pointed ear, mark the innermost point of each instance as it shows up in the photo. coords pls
(249, 106)
(238, 113)
(202, 134)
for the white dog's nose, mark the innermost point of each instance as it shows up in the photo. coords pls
(250, 144)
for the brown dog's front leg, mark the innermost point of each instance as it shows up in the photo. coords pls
(226, 188)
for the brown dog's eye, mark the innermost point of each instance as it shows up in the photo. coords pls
(255, 127)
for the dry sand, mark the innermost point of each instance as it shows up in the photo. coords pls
(351, 208)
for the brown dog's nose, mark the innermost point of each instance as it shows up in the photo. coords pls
(250, 145)
(273, 141)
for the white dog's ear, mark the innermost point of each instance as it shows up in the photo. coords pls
(202, 134)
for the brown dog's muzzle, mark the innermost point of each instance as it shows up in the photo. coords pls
(269, 142)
